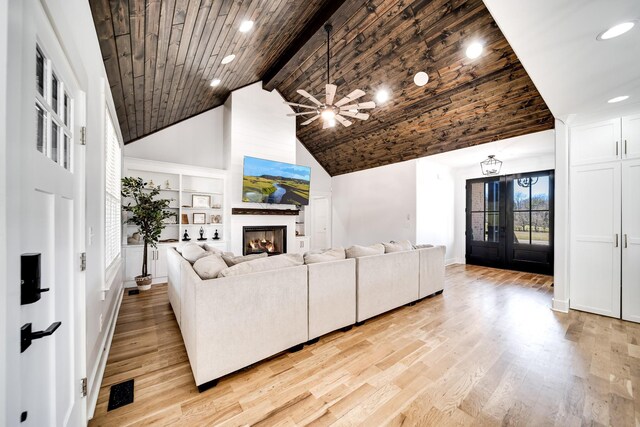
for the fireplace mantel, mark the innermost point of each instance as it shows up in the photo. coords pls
(259, 211)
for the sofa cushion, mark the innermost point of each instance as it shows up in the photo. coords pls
(422, 246)
(193, 252)
(210, 248)
(181, 246)
(357, 251)
(401, 246)
(233, 260)
(263, 264)
(208, 267)
(325, 256)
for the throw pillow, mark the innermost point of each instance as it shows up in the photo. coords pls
(401, 246)
(263, 264)
(326, 256)
(233, 260)
(181, 246)
(210, 248)
(193, 252)
(357, 251)
(209, 267)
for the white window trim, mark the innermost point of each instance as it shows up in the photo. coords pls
(111, 135)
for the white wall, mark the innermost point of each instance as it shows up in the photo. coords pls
(196, 141)
(435, 205)
(258, 126)
(320, 179)
(374, 205)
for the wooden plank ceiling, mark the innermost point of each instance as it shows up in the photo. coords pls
(161, 55)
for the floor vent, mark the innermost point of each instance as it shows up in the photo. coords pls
(134, 292)
(120, 395)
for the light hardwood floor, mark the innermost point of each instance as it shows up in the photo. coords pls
(489, 351)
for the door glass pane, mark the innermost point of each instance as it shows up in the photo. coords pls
(477, 226)
(40, 128)
(520, 195)
(521, 227)
(493, 227)
(54, 92)
(40, 72)
(540, 193)
(540, 227)
(492, 196)
(54, 141)
(477, 196)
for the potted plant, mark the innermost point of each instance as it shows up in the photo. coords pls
(147, 213)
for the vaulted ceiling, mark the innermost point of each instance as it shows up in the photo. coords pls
(161, 55)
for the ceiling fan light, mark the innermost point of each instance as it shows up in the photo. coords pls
(332, 123)
(328, 114)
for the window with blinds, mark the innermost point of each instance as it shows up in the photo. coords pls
(112, 227)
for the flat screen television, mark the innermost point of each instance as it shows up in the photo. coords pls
(268, 181)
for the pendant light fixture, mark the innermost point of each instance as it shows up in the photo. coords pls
(491, 166)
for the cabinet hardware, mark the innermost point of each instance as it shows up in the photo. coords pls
(616, 148)
(625, 147)
(616, 240)
(27, 335)
(626, 245)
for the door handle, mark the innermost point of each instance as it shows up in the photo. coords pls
(27, 335)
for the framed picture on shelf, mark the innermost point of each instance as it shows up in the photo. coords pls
(216, 219)
(185, 219)
(199, 218)
(200, 201)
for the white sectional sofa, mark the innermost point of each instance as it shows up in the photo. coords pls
(229, 323)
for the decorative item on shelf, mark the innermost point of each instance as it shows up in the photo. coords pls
(491, 166)
(200, 201)
(216, 219)
(202, 234)
(148, 215)
(297, 233)
(168, 240)
(135, 239)
(199, 218)
(528, 181)
(185, 218)
(216, 206)
(167, 186)
(215, 236)
(185, 236)
(151, 185)
(171, 220)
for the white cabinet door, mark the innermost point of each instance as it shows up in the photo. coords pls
(160, 263)
(631, 137)
(631, 240)
(595, 238)
(133, 263)
(594, 143)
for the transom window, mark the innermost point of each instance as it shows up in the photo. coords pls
(54, 114)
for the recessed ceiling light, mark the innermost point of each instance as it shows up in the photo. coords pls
(616, 30)
(246, 26)
(421, 78)
(215, 82)
(228, 59)
(382, 96)
(474, 50)
(618, 99)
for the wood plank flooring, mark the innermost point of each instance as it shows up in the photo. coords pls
(489, 351)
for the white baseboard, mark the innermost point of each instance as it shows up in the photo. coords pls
(560, 305)
(92, 398)
(451, 261)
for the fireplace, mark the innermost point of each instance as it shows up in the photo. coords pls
(269, 239)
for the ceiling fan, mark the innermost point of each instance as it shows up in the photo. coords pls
(330, 111)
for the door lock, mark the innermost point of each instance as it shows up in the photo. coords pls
(27, 335)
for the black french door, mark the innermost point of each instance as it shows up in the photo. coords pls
(510, 222)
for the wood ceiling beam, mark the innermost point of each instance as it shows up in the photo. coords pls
(294, 54)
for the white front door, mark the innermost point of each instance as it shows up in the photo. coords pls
(52, 225)
(320, 222)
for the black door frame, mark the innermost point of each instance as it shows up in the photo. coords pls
(506, 253)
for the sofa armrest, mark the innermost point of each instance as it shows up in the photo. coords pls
(431, 270)
(236, 321)
(174, 263)
(332, 296)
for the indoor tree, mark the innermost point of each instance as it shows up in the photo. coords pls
(148, 214)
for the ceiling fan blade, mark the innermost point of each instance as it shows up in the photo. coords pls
(361, 116)
(310, 120)
(330, 93)
(351, 97)
(301, 114)
(344, 122)
(309, 96)
(361, 106)
(301, 105)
